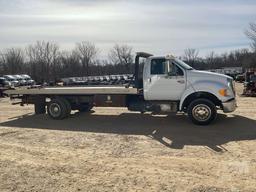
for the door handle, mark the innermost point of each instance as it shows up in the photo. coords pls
(181, 81)
(149, 80)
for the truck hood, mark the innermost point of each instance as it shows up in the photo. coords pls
(210, 82)
(201, 75)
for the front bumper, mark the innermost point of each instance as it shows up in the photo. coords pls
(229, 106)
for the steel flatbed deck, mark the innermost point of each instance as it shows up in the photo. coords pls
(111, 90)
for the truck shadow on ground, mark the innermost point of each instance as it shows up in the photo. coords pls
(177, 129)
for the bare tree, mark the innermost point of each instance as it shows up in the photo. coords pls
(121, 54)
(87, 52)
(12, 60)
(211, 60)
(70, 64)
(44, 60)
(191, 55)
(2, 63)
(251, 34)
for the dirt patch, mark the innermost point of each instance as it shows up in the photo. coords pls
(116, 150)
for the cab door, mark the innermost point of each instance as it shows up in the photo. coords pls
(164, 80)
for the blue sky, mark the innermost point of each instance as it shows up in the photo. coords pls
(156, 26)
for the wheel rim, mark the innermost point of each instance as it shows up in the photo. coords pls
(55, 110)
(201, 112)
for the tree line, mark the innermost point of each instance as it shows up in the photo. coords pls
(238, 58)
(44, 61)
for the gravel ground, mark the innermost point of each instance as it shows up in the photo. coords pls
(113, 149)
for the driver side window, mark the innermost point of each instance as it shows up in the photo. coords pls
(165, 67)
(158, 67)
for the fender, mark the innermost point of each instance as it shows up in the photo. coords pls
(208, 86)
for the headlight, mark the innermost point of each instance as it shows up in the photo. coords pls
(225, 92)
(228, 91)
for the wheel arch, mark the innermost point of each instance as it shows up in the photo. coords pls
(199, 95)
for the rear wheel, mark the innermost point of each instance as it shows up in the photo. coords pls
(58, 108)
(202, 111)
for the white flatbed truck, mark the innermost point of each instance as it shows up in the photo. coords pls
(166, 85)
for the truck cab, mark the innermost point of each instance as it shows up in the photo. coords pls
(170, 85)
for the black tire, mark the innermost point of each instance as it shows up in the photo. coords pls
(39, 108)
(57, 109)
(86, 107)
(202, 111)
(40, 105)
(68, 106)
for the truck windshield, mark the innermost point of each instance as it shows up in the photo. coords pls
(183, 64)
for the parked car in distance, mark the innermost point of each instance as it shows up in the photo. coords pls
(20, 79)
(240, 78)
(29, 80)
(73, 82)
(12, 79)
(5, 83)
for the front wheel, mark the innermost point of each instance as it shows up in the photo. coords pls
(202, 111)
